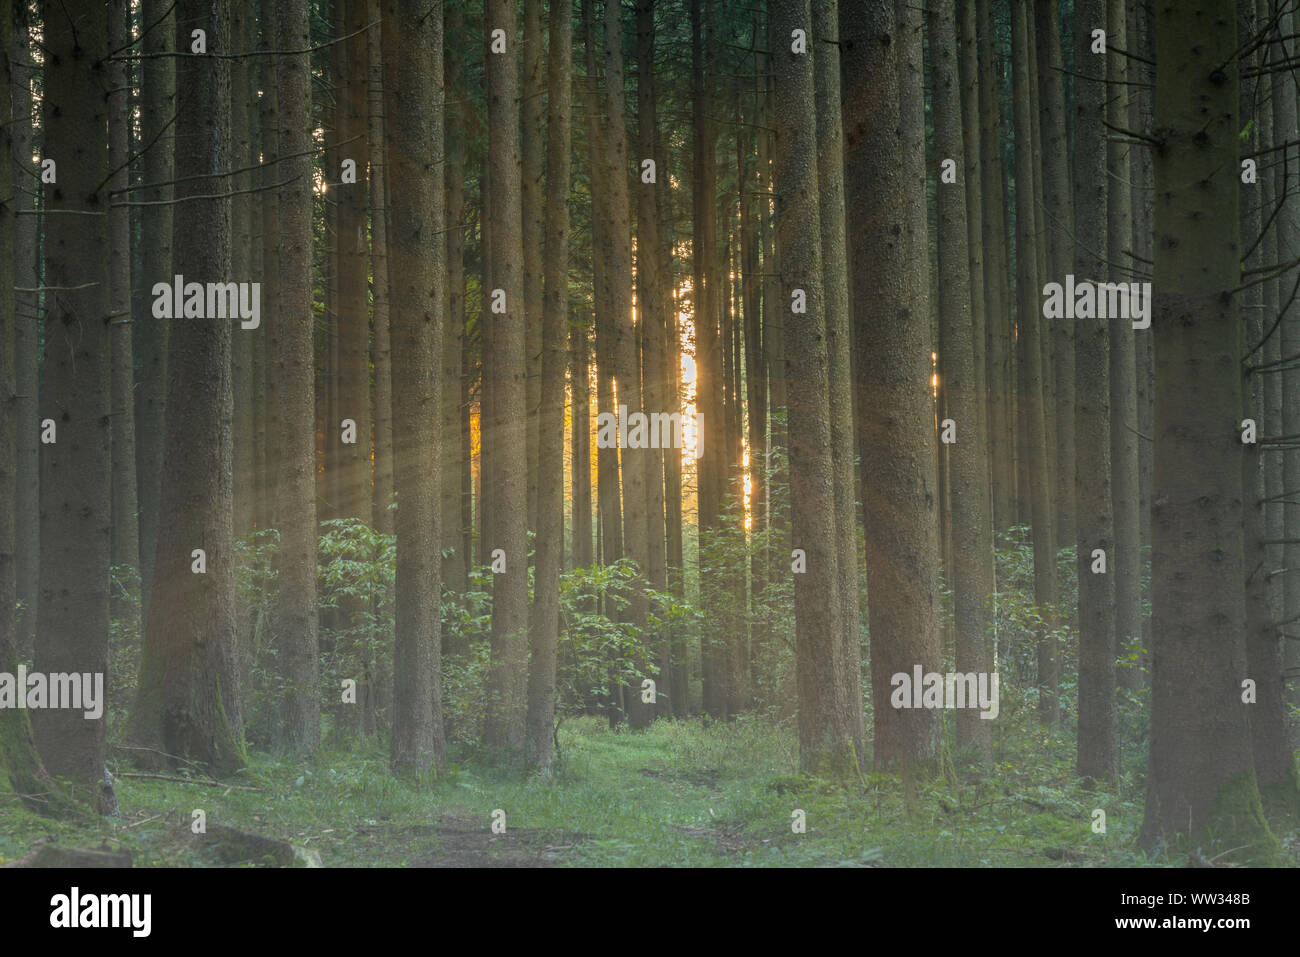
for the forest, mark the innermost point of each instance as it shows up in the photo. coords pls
(591, 433)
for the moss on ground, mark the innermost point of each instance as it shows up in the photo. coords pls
(677, 794)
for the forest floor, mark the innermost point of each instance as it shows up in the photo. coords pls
(678, 794)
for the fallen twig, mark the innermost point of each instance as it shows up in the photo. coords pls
(211, 784)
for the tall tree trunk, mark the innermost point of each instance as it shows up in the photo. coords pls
(972, 141)
(830, 184)
(1059, 217)
(1274, 764)
(1048, 396)
(353, 320)
(532, 146)
(707, 299)
(73, 618)
(770, 693)
(609, 532)
(191, 620)
(271, 175)
(157, 109)
(1201, 776)
(826, 728)
(296, 612)
(487, 510)
(1123, 355)
(753, 225)
(126, 529)
(544, 625)
(1140, 109)
(455, 567)
(1286, 134)
(627, 363)
(20, 765)
(675, 566)
(508, 674)
(880, 50)
(580, 376)
(27, 508)
(972, 523)
(242, 90)
(653, 298)
(1272, 351)
(737, 632)
(996, 276)
(381, 343)
(1029, 352)
(466, 393)
(1097, 753)
(414, 103)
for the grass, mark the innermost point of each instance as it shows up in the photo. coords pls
(677, 794)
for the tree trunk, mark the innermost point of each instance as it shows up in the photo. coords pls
(754, 215)
(826, 728)
(770, 693)
(1274, 764)
(270, 336)
(296, 612)
(972, 522)
(1201, 779)
(73, 619)
(1048, 397)
(1123, 356)
(126, 529)
(627, 363)
(191, 620)
(609, 532)
(1097, 754)
(508, 674)
(353, 320)
(653, 298)
(242, 90)
(157, 107)
(893, 408)
(997, 293)
(1059, 217)
(381, 343)
(1140, 108)
(580, 376)
(550, 503)
(27, 509)
(531, 146)
(707, 305)
(830, 183)
(414, 103)
(1286, 130)
(1029, 353)
(20, 765)
(455, 567)
(1272, 350)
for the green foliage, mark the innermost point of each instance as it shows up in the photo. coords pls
(356, 577)
(679, 794)
(124, 642)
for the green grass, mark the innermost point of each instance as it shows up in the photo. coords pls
(677, 794)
